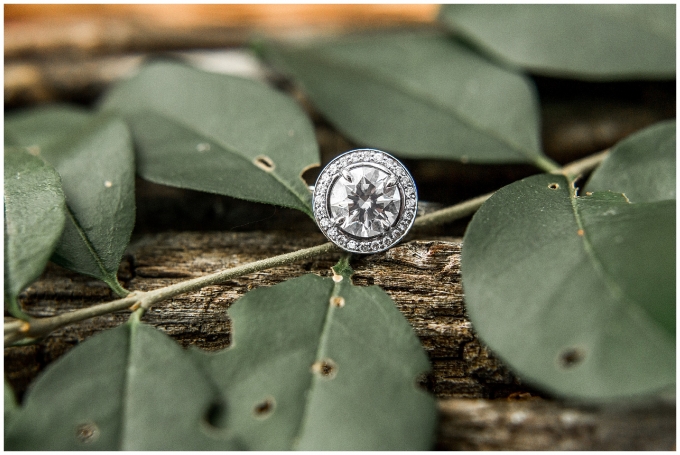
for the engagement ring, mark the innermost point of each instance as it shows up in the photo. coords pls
(365, 201)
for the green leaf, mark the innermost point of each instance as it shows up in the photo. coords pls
(419, 95)
(319, 365)
(11, 405)
(95, 159)
(576, 294)
(34, 220)
(130, 388)
(582, 41)
(217, 133)
(41, 126)
(642, 166)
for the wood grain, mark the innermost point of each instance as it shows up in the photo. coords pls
(423, 278)
(482, 404)
(46, 30)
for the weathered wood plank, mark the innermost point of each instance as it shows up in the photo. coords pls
(537, 424)
(423, 278)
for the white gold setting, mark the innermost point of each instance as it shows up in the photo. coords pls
(365, 201)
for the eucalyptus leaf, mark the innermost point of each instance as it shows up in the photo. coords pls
(95, 160)
(129, 388)
(319, 365)
(217, 133)
(642, 166)
(11, 407)
(34, 220)
(583, 41)
(419, 95)
(577, 294)
(39, 127)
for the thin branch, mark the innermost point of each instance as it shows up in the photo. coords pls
(139, 300)
(455, 212)
(580, 167)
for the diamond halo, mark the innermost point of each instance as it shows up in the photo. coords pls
(365, 201)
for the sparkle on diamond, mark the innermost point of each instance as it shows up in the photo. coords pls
(368, 208)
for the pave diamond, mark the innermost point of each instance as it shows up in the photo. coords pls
(368, 207)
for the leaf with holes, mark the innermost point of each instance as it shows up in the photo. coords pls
(129, 388)
(217, 133)
(642, 166)
(577, 294)
(95, 160)
(34, 220)
(419, 95)
(583, 41)
(320, 365)
(38, 127)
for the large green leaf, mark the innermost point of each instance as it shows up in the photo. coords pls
(41, 126)
(130, 388)
(582, 41)
(217, 133)
(576, 294)
(34, 220)
(95, 159)
(419, 95)
(320, 365)
(641, 166)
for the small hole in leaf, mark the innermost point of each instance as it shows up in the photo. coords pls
(263, 409)
(572, 357)
(425, 381)
(337, 301)
(87, 433)
(216, 415)
(325, 368)
(265, 163)
(554, 186)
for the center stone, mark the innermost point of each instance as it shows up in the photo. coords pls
(364, 201)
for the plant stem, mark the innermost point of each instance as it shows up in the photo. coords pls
(576, 168)
(139, 301)
(144, 300)
(455, 212)
(545, 163)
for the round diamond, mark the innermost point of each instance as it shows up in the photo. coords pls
(352, 244)
(324, 222)
(366, 206)
(364, 247)
(332, 231)
(375, 245)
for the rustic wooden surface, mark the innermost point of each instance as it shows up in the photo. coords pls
(423, 278)
(82, 30)
(545, 425)
(74, 53)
